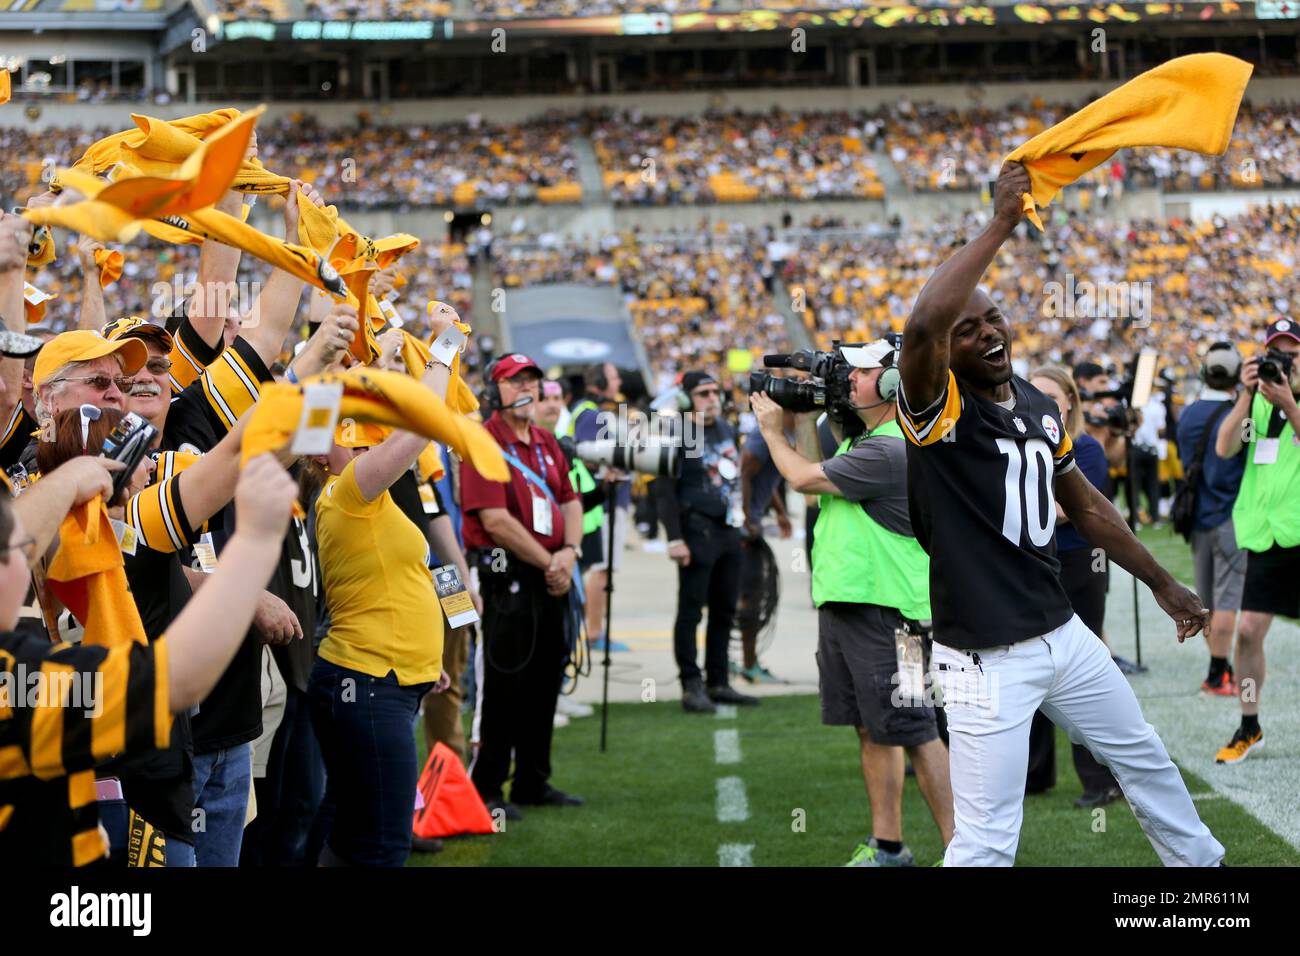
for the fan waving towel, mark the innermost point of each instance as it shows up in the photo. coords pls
(88, 576)
(1188, 103)
(375, 396)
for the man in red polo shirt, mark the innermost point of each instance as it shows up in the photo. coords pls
(524, 537)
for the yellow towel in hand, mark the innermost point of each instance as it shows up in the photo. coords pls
(112, 211)
(356, 276)
(109, 262)
(374, 396)
(4, 86)
(87, 575)
(157, 147)
(34, 303)
(1188, 103)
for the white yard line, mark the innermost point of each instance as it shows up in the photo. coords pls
(726, 746)
(726, 712)
(732, 804)
(736, 854)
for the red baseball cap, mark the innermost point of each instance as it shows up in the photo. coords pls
(508, 366)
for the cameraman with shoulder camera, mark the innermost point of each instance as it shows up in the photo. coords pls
(1266, 517)
(702, 516)
(1212, 484)
(871, 587)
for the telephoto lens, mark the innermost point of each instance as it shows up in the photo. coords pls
(652, 456)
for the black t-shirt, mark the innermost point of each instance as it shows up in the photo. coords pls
(297, 581)
(710, 478)
(232, 713)
(982, 504)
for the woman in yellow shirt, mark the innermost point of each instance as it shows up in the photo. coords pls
(383, 652)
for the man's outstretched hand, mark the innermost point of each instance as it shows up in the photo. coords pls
(1181, 604)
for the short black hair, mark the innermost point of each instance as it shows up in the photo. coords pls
(1084, 370)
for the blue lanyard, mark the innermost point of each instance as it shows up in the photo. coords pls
(538, 457)
(531, 475)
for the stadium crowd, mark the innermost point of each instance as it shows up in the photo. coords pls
(779, 155)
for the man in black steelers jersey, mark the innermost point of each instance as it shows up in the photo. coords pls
(988, 458)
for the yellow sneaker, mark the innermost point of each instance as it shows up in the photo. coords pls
(1240, 745)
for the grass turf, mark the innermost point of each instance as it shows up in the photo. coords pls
(651, 798)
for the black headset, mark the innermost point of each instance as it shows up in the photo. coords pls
(492, 388)
(887, 381)
(594, 377)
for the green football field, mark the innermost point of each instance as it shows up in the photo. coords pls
(789, 792)
(653, 800)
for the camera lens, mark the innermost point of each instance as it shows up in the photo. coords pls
(1270, 371)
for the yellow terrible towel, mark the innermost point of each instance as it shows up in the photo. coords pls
(112, 212)
(87, 575)
(1188, 103)
(110, 263)
(374, 396)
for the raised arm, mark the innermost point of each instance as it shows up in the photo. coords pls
(93, 315)
(804, 476)
(15, 233)
(923, 361)
(218, 270)
(378, 468)
(272, 313)
(338, 326)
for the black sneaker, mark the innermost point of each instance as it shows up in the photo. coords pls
(511, 811)
(695, 700)
(426, 845)
(729, 695)
(550, 797)
(1099, 798)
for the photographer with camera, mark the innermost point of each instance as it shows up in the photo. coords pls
(1212, 486)
(702, 515)
(871, 588)
(1266, 517)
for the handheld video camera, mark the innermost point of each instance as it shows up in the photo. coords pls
(128, 443)
(827, 388)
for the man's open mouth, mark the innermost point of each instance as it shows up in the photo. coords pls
(145, 390)
(995, 355)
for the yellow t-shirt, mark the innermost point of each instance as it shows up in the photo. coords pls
(384, 614)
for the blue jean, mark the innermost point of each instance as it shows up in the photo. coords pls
(365, 728)
(221, 782)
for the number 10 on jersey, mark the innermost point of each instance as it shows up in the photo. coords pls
(1028, 486)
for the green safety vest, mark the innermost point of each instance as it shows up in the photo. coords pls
(1267, 511)
(859, 561)
(580, 477)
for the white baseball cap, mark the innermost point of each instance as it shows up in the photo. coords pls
(877, 354)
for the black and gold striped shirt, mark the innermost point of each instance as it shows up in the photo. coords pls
(63, 709)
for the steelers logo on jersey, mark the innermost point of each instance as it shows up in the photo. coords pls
(1052, 429)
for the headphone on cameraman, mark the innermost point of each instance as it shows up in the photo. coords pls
(887, 382)
(492, 388)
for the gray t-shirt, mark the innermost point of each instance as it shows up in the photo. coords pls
(874, 472)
